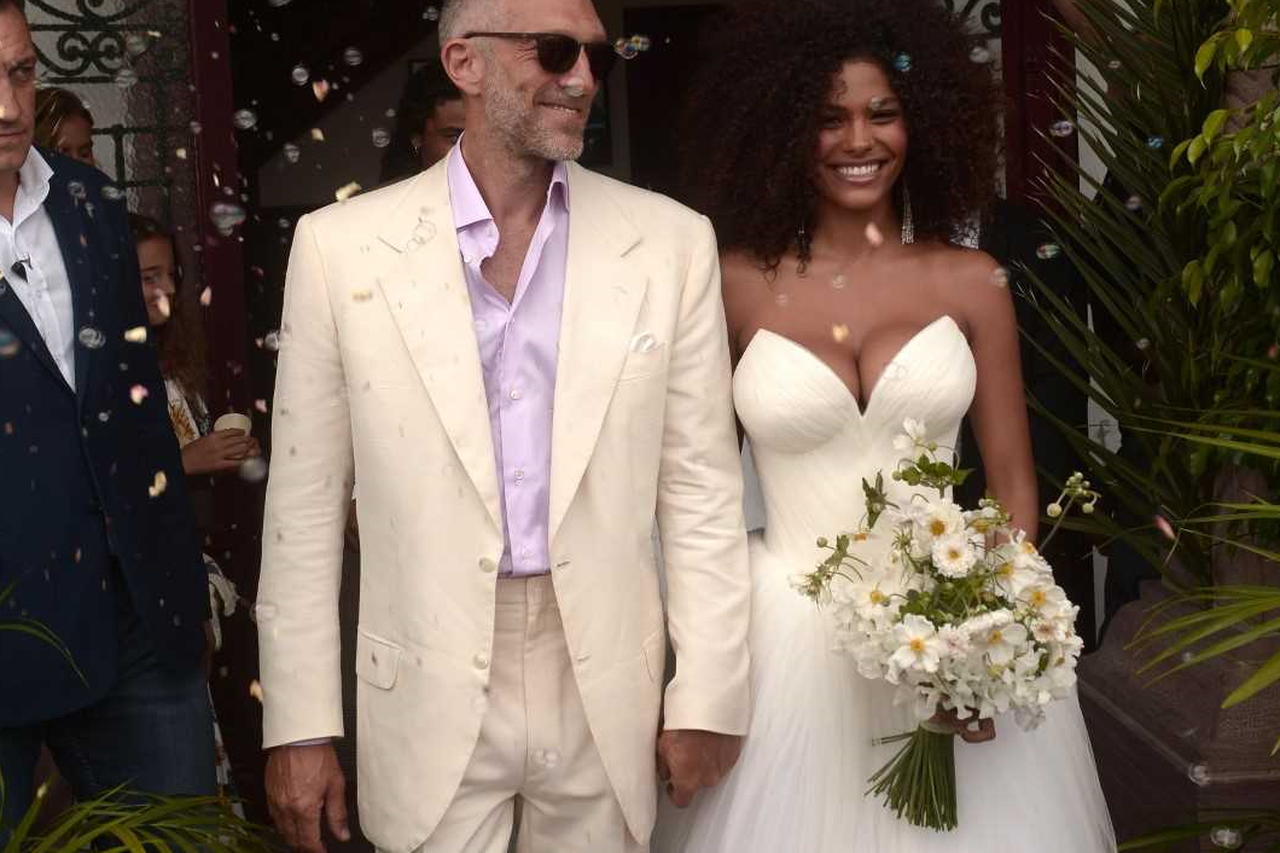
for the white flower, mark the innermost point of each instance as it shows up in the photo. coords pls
(953, 555)
(955, 642)
(1045, 600)
(1012, 576)
(1003, 644)
(915, 434)
(918, 645)
(935, 519)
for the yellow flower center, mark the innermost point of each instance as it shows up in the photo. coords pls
(1028, 548)
(878, 597)
(953, 553)
(859, 537)
(917, 644)
(1005, 570)
(996, 637)
(1038, 598)
(937, 527)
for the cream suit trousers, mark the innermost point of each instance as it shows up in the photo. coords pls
(534, 746)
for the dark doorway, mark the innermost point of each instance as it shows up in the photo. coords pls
(656, 89)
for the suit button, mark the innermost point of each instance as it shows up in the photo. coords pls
(488, 566)
(481, 661)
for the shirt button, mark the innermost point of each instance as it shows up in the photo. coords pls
(488, 566)
(515, 394)
(519, 474)
(481, 661)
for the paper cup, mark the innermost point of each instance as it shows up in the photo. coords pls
(234, 420)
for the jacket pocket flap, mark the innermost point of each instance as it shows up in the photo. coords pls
(376, 660)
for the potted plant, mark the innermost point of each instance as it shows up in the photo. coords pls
(1173, 250)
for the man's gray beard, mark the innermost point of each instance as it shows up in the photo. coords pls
(514, 124)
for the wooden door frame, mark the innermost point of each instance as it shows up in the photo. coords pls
(1031, 44)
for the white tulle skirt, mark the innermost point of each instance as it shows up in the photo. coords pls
(801, 780)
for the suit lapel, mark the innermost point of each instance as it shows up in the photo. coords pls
(13, 314)
(429, 300)
(69, 225)
(602, 299)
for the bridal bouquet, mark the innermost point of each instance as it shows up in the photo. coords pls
(954, 607)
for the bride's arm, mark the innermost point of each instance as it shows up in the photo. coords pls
(999, 410)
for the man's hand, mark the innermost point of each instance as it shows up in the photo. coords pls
(302, 782)
(690, 760)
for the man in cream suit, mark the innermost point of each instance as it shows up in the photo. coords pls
(522, 364)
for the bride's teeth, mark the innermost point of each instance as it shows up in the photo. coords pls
(859, 171)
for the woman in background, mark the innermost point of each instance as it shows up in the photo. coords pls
(204, 453)
(64, 124)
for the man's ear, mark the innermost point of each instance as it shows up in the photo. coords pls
(464, 64)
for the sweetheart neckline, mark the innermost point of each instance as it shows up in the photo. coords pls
(853, 398)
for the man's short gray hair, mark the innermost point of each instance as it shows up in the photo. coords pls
(458, 17)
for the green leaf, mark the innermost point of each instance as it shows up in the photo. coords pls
(1204, 57)
(1267, 674)
(1198, 146)
(1262, 265)
(1213, 124)
(1244, 38)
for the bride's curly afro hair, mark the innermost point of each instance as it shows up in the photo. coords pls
(752, 121)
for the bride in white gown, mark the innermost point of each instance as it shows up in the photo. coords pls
(840, 334)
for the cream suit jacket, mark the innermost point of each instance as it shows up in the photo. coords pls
(380, 379)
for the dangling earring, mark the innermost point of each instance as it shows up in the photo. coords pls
(908, 225)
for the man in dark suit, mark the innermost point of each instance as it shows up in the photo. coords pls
(97, 539)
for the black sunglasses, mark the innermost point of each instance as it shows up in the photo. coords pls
(558, 53)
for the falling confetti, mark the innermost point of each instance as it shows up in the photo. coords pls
(317, 135)
(136, 335)
(138, 393)
(255, 687)
(347, 191)
(381, 138)
(1133, 203)
(91, 338)
(260, 405)
(432, 13)
(158, 485)
(1048, 251)
(1000, 278)
(112, 193)
(1166, 529)
(840, 333)
(206, 297)
(361, 296)
(320, 88)
(980, 55)
(1062, 129)
(352, 56)
(126, 78)
(253, 470)
(271, 341)
(644, 343)
(77, 190)
(9, 346)
(226, 215)
(163, 306)
(1155, 142)
(874, 236)
(839, 281)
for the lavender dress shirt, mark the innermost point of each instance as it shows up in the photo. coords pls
(519, 344)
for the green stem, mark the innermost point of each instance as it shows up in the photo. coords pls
(919, 782)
